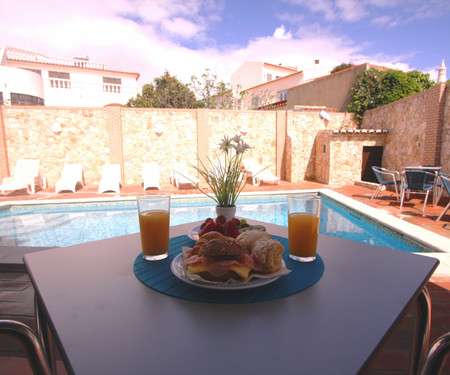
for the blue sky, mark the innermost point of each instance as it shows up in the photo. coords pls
(186, 37)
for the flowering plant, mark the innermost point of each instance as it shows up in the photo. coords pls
(226, 178)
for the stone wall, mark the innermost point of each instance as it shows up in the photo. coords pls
(281, 141)
(418, 129)
(295, 145)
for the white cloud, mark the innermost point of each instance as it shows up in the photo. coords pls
(350, 10)
(386, 21)
(181, 27)
(280, 33)
(142, 35)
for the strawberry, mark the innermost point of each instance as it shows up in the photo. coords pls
(209, 227)
(206, 222)
(231, 229)
(221, 219)
(236, 221)
(220, 228)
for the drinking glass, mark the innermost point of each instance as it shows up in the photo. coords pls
(303, 226)
(154, 222)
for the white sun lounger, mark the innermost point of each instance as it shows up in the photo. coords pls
(151, 176)
(180, 176)
(71, 176)
(257, 173)
(26, 176)
(111, 178)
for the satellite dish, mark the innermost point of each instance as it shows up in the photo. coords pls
(325, 115)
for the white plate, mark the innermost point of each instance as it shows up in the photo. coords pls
(257, 280)
(193, 233)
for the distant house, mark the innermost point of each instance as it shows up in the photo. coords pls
(30, 78)
(254, 73)
(331, 91)
(264, 83)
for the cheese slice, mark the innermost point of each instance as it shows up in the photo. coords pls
(241, 271)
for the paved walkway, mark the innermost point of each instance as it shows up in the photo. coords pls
(16, 291)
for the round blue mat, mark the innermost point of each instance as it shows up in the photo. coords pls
(158, 276)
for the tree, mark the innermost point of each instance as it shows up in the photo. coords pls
(374, 88)
(342, 67)
(423, 79)
(166, 92)
(212, 94)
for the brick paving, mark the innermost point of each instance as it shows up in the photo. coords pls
(16, 291)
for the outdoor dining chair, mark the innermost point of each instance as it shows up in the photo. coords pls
(35, 352)
(436, 356)
(419, 181)
(445, 184)
(386, 178)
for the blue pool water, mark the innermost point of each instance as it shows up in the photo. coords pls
(73, 223)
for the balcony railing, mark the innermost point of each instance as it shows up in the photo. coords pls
(107, 87)
(60, 83)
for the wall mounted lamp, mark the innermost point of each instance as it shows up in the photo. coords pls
(159, 130)
(56, 128)
(244, 130)
(324, 115)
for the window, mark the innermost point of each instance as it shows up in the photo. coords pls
(281, 95)
(269, 77)
(111, 84)
(59, 80)
(23, 99)
(61, 75)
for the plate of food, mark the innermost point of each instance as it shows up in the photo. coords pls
(193, 233)
(216, 261)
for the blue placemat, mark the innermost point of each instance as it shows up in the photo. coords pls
(158, 276)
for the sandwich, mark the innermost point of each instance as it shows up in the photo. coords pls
(219, 258)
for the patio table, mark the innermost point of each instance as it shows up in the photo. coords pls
(105, 321)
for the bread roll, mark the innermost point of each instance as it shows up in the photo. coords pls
(268, 254)
(247, 239)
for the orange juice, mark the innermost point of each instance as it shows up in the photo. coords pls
(303, 232)
(154, 227)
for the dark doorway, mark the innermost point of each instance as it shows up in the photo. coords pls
(372, 156)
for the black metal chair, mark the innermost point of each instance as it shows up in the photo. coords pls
(419, 181)
(387, 177)
(36, 354)
(436, 356)
(445, 184)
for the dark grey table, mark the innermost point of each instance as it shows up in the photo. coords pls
(105, 321)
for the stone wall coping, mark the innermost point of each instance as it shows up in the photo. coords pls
(361, 131)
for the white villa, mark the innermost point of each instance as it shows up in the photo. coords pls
(30, 78)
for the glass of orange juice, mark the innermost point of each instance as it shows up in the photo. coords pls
(303, 226)
(154, 222)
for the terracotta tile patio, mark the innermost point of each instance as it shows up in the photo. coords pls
(16, 292)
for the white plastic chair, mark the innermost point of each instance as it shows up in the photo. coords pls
(26, 176)
(150, 176)
(111, 179)
(258, 174)
(180, 176)
(71, 176)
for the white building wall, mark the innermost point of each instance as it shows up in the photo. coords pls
(252, 73)
(83, 88)
(20, 81)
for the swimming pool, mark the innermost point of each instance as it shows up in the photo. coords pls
(64, 224)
